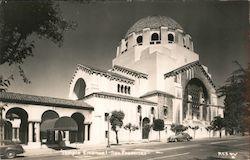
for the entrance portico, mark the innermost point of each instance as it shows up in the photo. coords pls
(26, 114)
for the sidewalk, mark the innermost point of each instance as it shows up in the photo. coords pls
(80, 147)
(49, 151)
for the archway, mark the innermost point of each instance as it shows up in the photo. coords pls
(18, 115)
(48, 137)
(7, 130)
(78, 136)
(79, 88)
(145, 128)
(195, 95)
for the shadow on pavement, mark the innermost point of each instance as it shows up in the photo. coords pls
(61, 147)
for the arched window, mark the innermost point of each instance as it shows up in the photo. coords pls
(152, 110)
(154, 37)
(121, 88)
(170, 38)
(139, 39)
(165, 111)
(79, 89)
(128, 90)
(118, 88)
(139, 109)
(125, 89)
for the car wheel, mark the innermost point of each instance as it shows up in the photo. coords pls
(10, 154)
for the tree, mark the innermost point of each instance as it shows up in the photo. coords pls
(158, 125)
(19, 20)
(2, 105)
(209, 129)
(218, 124)
(130, 128)
(236, 93)
(116, 121)
(178, 128)
(194, 128)
(5, 83)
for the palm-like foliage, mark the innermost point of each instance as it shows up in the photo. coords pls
(236, 93)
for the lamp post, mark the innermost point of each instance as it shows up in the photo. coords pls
(108, 146)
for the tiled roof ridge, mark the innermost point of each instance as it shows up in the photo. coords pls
(130, 71)
(44, 100)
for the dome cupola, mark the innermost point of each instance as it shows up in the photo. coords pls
(154, 30)
(154, 22)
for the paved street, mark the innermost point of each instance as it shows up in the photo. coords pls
(218, 149)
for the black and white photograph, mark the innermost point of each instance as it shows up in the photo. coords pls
(124, 80)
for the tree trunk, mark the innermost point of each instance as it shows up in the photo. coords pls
(116, 135)
(220, 134)
(129, 137)
(159, 136)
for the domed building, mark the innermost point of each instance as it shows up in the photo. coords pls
(155, 74)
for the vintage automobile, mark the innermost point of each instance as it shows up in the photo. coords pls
(10, 149)
(179, 137)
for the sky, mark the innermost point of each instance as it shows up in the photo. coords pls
(219, 31)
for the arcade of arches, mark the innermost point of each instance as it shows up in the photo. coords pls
(18, 128)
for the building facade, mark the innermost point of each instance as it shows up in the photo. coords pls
(155, 74)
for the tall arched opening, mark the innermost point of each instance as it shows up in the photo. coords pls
(19, 120)
(79, 88)
(7, 130)
(195, 97)
(145, 128)
(48, 137)
(78, 136)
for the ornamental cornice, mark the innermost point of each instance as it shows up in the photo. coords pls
(187, 67)
(109, 75)
(111, 96)
(157, 93)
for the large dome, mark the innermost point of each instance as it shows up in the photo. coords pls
(154, 22)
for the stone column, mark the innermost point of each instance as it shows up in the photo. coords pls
(66, 135)
(37, 131)
(30, 131)
(208, 114)
(17, 134)
(188, 111)
(13, 134)
(189, 107)
(201, 112)
(86, 131)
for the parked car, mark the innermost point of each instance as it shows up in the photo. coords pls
(10, 149)
(179, 137)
